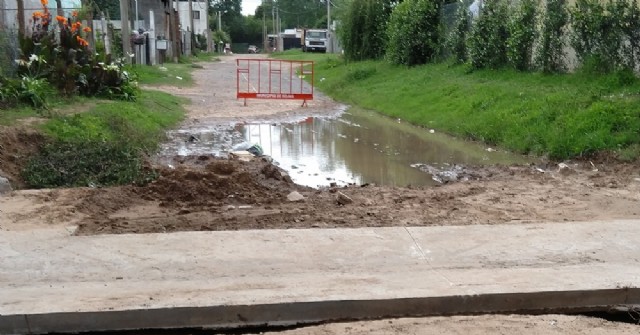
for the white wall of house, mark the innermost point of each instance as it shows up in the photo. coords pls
(199, 16)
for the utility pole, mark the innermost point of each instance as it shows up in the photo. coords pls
(173, 36)
(264, 28)
(330, 35)
(328, 14)
(191, 15)
(126, 32)
(21, 26)
(190, 31)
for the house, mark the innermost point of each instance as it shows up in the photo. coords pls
(199, 8)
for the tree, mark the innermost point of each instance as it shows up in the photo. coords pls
(551, 54)
(299, 13)
(522, 35)
(488, 40)
(111, 9)
(363, 29)
(414, 32)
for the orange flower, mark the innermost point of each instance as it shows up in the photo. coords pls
(44, 2)
(82, 41)
(61, 19)
(75, 26)
(37, 15)
(86, 29)
(74, 13)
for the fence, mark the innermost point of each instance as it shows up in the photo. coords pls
(274, 79)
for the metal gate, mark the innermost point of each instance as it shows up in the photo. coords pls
(274, 79)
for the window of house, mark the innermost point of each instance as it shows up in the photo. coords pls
(196, 15)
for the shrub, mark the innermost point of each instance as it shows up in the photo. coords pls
(362, 29)
(89, 163)
(631, 31)
(522, 35)
(597, 33)
(551, 57)
(488, 40)
(457, 41)
(414, 32)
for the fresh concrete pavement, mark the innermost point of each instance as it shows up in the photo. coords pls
(52, 281)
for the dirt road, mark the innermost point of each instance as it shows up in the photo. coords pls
(205, 193)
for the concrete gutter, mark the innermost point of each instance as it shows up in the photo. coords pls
(53, 282)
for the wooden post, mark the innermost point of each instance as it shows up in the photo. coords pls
(59, 7)
(21, 25)
(190, 29)
(92, 43)
(173, 35)
(106, 35)
(2, 19)
(126, 32)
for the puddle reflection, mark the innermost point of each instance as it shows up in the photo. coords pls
(364, 147)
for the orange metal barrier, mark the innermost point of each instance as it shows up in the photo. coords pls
(274, 79)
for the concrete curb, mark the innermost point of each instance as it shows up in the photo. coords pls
(236, 316)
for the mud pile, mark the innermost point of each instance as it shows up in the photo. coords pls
(214, 182)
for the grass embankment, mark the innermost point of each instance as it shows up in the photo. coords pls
(561, 116)
(98, 142)
(105, 145)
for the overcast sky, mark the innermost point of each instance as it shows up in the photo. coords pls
(249, 6)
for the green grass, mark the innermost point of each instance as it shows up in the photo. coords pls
(142, 122)
(297, 54)
(105, 145)
(562, 116)
(168, 73)
(56, 105)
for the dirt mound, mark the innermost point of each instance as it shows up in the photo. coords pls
(184, 196)
(220, 181)
(17, 144)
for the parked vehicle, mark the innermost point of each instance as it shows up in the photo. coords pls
(253, 49)
(315, 40)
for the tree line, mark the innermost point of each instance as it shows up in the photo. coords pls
(527, 35)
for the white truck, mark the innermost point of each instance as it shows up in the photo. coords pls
(316, 40)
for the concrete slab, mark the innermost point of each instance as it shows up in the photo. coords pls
(51, 281)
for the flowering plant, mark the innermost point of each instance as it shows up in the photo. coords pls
(66, 60)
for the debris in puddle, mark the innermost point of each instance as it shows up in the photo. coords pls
(295, 196)
(450, 174)
(294, 167)
(244, 156)
(432, 131)
(193, 139)
(564, 169)
(343, 199)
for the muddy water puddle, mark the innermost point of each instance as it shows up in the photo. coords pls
(357, 147)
